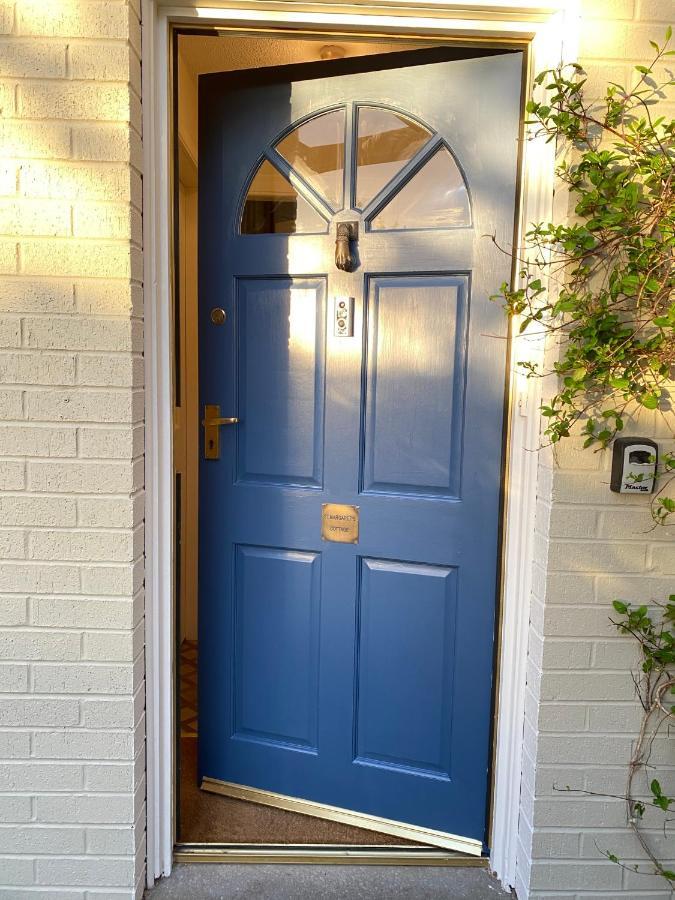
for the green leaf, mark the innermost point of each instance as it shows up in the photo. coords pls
(649, 401)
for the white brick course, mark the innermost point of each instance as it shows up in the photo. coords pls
(116, 443)
(97, 546)
(108, 809)
(103, 62)
(9, 257)
(26, 296)
(13, 611)
(114, 581)
(109, 220)
(37, 711)
(107, 143)
(82, 477)
(84, 613)
(7, 99)
(17, 871)
(121, 370)
(16, 644)
(75, 181)
(95, 19)
(17, 141)
(10, 332)
(36, 217)
(39, 579)
(106, 512)
(87, 872)
(13, 678)
(31, 841)
(38, 511)
(110, 841)
(82, 745)
(78, 258)
(40, 777)
(15, 809)
(12, 474)
(121, 778)
(11, 404)
(107, 713)
(6, 16)
(86, 678)
(15, 744)
(59, 333)
(30, 59)
(48, 368)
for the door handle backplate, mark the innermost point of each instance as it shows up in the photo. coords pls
(212, 421)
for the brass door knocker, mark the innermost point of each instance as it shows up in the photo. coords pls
(346, 232)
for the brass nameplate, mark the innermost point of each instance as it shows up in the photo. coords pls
(340, 523)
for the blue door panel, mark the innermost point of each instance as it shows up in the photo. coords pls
(419, 451)
(276, 646)
(356, 675)
(281, 321)
(406, 634)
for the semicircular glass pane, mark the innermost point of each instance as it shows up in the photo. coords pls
(435, 197)
(273, 206)
(386, 141)
(316, 150)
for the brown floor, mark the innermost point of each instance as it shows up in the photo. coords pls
(211, 818)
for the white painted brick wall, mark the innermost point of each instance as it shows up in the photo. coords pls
(72, 791)
(593, 547)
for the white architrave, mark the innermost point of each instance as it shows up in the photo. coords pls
(551, 28)
(159, 490)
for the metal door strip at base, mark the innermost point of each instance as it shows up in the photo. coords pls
(324, 854)
(413, 833)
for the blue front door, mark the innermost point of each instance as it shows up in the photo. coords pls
(356, 673)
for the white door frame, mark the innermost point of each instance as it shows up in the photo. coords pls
(551, 29)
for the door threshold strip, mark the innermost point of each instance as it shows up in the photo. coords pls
(413, 833)
(323, 854)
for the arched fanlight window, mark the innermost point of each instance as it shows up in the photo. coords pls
(406, 178)
(386, 141)
(274, 206)
(315, 150)
(435, 197)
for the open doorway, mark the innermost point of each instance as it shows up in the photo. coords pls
(211, 818)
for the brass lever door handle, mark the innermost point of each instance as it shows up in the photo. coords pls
(219, 420)
(212, 421)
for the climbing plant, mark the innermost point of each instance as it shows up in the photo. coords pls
(603, 283)
(601, 286)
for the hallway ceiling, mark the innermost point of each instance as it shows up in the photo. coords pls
(227, 53)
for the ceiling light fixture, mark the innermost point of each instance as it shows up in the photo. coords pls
(332, 51)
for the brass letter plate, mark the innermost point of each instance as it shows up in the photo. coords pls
(340, 523)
